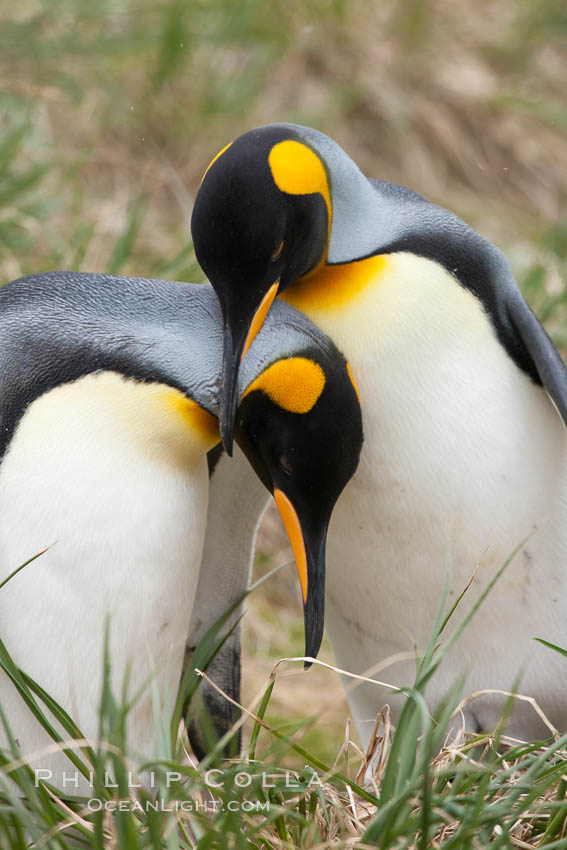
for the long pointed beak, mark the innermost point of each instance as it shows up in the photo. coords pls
(232, 355)
(260, 315)
(309, 554)
(230, 364)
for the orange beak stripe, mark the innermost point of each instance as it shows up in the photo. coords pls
(353, 382)
(293, 529)
(260, 315)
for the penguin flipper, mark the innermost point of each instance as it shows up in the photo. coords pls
(237, 500)
(545, 357)
(210, 715)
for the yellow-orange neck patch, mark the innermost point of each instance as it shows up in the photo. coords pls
(298, 171)
(330, 287)
(199, 420)
(294, 384)
(214, 159)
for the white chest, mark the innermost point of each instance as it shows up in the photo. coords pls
(106, 474)
(463, 459)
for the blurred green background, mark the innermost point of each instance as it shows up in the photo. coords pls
(110, 110)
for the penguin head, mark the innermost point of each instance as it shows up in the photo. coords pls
(300, 425)
(261, 220)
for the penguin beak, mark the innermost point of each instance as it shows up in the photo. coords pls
(230, 363)
(309, 553)
(232, 356)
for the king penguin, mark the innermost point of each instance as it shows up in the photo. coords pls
(464, 401)
(108, 390)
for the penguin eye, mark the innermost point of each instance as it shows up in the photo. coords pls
(285, 465)
(278, 252)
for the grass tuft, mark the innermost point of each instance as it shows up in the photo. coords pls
(414, 787)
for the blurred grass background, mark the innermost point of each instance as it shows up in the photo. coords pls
(110, 110)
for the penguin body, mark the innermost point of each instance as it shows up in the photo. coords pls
(122, 505)
(464, 454)
(104, 465)
(464, 458)
(108, 391)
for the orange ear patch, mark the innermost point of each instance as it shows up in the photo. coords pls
(298, 171)
(294, 384)
(214, 159)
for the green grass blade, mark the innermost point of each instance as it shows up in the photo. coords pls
(553, 646)
(20, 680)
(21, 567)
(257, 726)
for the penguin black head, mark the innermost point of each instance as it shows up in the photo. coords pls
(261, 220)
(300, 426)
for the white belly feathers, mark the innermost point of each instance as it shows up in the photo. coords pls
(464, 457)
(107, 476)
